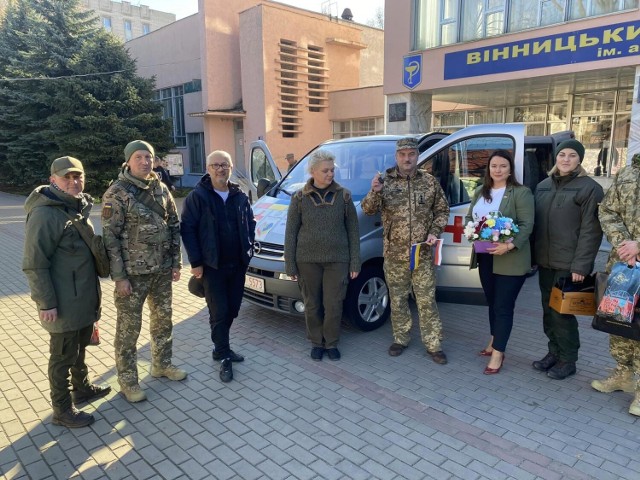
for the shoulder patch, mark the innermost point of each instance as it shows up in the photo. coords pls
(107, 210)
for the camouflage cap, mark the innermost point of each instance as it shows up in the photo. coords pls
(635, 160)
(407, 142)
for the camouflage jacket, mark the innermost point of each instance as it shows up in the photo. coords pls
(619, 211)
(139, 240)
(411, 207)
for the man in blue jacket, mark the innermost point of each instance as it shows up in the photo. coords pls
(218, 230)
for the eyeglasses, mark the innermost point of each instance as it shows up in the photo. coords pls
(220, 166)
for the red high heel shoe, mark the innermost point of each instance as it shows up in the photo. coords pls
(493, 371)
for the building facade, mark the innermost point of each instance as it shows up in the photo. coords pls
(128, 21)
(561, 65)
(231, 74)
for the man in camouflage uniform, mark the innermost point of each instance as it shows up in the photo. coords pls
(619, 216)
(414, 210)
(142, 235)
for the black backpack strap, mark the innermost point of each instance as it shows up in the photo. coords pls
(145, 198)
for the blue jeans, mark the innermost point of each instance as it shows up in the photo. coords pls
(501, 292)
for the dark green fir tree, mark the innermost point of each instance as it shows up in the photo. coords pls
(67, 87)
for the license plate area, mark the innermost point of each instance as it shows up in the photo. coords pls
(254, 283)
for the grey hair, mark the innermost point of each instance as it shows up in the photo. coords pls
(219, 154)
(318, 157)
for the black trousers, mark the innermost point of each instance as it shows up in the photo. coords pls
(501, 292)
(223, 288)
(560, 328)
(67, 355)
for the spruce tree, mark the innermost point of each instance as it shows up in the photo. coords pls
(67, 87)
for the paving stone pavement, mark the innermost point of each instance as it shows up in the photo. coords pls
(286, 417)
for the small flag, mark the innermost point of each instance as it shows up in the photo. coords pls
(414, 257)
(437, 252)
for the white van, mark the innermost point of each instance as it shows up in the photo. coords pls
(457, 160)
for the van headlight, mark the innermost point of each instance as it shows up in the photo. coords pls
(284, 276)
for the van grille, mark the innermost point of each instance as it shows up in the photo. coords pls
(269, 251)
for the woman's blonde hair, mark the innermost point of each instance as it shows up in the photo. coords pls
(318, 157)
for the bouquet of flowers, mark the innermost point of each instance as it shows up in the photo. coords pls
(489, 229)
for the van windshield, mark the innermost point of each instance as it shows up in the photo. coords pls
(357, 162)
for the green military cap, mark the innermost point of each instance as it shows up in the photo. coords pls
(635, 160)
(63, 165)
(407, 142)
(136, 145)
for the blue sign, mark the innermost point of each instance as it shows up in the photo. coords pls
(589, 45)
(412, 71)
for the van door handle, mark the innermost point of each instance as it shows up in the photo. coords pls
(377, 224)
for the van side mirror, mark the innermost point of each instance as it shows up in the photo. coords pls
(264, 185)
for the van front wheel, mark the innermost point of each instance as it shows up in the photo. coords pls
(367, 303)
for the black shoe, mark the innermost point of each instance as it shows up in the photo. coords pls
(546, 363)
(235, 357)
(226, 370)
(333, 354)
(316, 353)
(438, 357)
(562, 370)
(89, 393)
(72, 418)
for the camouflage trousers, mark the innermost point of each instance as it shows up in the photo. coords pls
(157, 289)
(626, 353)
(400, 281)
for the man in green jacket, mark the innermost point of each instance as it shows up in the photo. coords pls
(64, 284)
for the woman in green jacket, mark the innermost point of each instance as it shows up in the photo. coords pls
(504, 268)
(568, 236)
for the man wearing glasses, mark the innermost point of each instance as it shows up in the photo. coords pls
(218, 230)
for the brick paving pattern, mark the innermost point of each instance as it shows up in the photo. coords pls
(368, 416)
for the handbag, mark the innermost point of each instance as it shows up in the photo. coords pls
(95, 244)
(616, 293)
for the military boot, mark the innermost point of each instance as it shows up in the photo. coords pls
(171, 372)
(634, 409)
(620, 379)
(72, 418)
(133, 393)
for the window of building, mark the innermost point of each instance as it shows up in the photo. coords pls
(445, 22)
(358, 127)
(317, 75)
(482, 18)
(589, 8)
(106, 23)
(128, 32)
(196, 152)
(172, 101)
(146, 28)
(289, 92)
(449, 122)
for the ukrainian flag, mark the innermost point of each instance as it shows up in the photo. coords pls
(414, 256)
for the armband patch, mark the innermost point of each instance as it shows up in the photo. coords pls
(107, 211)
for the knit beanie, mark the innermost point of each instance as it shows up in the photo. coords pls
(136, 145)
(572, 144)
